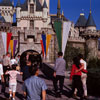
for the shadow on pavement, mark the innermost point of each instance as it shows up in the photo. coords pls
(1, 98)
(20, 96)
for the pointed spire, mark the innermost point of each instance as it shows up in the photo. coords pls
(18, 3)
(58, 9)
(45, 4)
(90, 6)
(62, 13)
(90, 21)
(81, 22)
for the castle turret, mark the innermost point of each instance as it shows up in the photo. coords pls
(45, 10)
(18, 10)
(81, 22)
(90, 25)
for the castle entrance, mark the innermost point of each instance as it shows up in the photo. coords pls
(30, 55)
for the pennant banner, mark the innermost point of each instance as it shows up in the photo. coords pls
(58, 28)
(44, 42)
(11, 46)
(8, 40)
(48, 39)
(14, 47)
(4, 37)
(42, 47)
(66, 29)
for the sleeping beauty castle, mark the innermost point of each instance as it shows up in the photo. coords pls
(35, 28)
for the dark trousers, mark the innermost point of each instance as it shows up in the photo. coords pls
(2, 87)
(61, 82)
(6, 77)
(77, 83)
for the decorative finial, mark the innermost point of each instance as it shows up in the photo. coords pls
(58, 9)
(90, 6)
(62, 13)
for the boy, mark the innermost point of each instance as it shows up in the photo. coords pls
(34, 86)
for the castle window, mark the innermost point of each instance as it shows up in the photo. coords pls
(31, 23)
(31, 8)
(31, 38)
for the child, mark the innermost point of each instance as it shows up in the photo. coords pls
(12, 82)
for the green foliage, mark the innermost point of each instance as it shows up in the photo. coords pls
(70, 53)
(93, 63)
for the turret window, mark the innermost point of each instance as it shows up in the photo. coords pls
(31, 8)
(31, 23)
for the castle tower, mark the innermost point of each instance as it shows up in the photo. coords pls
(7, 10)
(91, 36)
(18, 10)
(47, 2)
(45, 10)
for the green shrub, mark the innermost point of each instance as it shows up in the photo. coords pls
(70, 53)
(93, 63)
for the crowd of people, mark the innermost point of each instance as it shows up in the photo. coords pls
(34, 88)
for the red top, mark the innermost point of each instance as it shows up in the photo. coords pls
(74, 68)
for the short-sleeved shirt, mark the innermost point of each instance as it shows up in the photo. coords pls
(1, 70)
(13, 76)
(84, 62)
(34, 86)
(13, 61)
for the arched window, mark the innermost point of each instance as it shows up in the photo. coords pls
(32, 24)
(31, 8)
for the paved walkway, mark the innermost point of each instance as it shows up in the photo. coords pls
(50, 91)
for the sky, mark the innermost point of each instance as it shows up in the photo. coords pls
(73, 8)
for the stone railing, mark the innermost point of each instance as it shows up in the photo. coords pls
(76, 39)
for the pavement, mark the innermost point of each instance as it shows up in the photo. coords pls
(50, 92)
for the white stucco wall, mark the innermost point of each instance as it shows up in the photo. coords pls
(38, 24)
(23, 23)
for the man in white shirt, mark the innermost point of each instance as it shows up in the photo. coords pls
(84, 75)
(13, 61)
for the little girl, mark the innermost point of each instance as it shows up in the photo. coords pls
(12, 82)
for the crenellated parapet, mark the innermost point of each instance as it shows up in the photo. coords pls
(76, 39)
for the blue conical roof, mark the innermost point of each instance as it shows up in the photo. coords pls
(81, 22)
(90, 21)
(45, 4)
